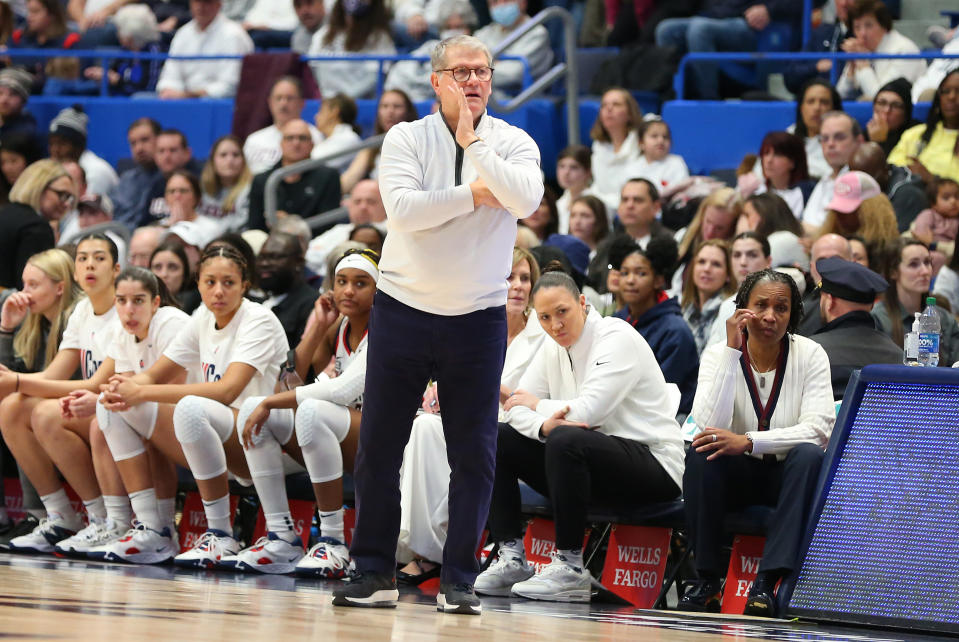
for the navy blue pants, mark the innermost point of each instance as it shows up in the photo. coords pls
(710, 488)
(464, 355)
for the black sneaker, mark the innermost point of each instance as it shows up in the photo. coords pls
(761, 601)
(458, 598)
(372, 590)
(24, 526)
(704, 596)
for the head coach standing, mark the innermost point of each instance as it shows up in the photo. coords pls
(454, 184)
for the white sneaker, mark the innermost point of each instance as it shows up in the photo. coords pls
(45, 536)
(208, 550)
(559, 581)
(140, 545)
(329, 559)
(270, 554)
(500, 577)
(96, 534)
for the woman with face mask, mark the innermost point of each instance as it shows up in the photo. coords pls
(354, 27)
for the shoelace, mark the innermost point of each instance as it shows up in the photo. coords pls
(463, 587)
(557, 564)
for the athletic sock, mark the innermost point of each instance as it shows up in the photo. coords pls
(96, 508)
(118, 509)
(58, 503)
(331, 525)
(166, 506)
(513, 548)
(281, 525)
(144, 504)
(573, 557)
(218, 514)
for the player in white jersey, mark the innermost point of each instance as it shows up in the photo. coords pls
(151, 321)
(237, 347)
(48, 423)
(325, 430)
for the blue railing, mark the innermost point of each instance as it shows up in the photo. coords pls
(106, 56)
(679, 80)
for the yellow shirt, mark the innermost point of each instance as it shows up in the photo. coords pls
(938, 156)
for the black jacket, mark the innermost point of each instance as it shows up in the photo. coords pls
(317, 191)
(23, 233)
(294, 311)
(851, 342)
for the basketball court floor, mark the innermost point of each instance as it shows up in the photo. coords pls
(56, 599)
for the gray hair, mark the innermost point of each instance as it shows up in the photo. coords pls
(137, 22)
(461, 8)
(854, 124)
(295, 226)
(471, 43)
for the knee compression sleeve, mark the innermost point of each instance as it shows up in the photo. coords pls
(201, 426)
(320, 427)
(123, 440)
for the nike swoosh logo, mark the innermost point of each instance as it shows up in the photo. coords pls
(601, 363)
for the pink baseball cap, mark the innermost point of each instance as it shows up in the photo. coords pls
(851, 189)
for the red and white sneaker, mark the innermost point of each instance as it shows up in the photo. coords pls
(329, 559)
(140, 545)
(270, 554)
(209, 549)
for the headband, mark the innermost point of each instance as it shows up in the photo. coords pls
(360, 262)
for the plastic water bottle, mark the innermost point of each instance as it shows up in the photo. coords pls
(910, 344)
(929, 330)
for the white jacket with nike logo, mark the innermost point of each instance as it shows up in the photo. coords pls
(611, 381)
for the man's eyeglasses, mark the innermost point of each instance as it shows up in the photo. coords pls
(462, 74)
(66, 197)
(888, 104)
(299, 138)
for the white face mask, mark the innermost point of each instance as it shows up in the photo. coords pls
(449, 33)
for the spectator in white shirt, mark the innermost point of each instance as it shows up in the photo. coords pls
(209, 33)
(354, 27)
(666, 171)
(574, 174)
(816, 98)
(873, 33)
(270, 23)
(841, 136)
(336, 122)
(365, 205)
(262, 147)
(310, 14)
(615, 144)
(509, 15)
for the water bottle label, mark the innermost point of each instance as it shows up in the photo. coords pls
(912, 346)
(928, 343)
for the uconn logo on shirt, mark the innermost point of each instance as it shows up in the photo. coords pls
(88, 365)
(209, 372)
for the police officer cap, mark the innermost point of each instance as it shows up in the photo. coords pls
(849, 281)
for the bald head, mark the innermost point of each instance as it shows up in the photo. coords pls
(825, 246)
(365, 204)
(297, 142)
(871, 159)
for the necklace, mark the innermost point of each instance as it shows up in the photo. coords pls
(759, 369)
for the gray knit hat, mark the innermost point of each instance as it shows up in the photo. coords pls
(18, 80)
(71, 123)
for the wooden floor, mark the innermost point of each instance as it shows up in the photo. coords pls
(48, 598)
